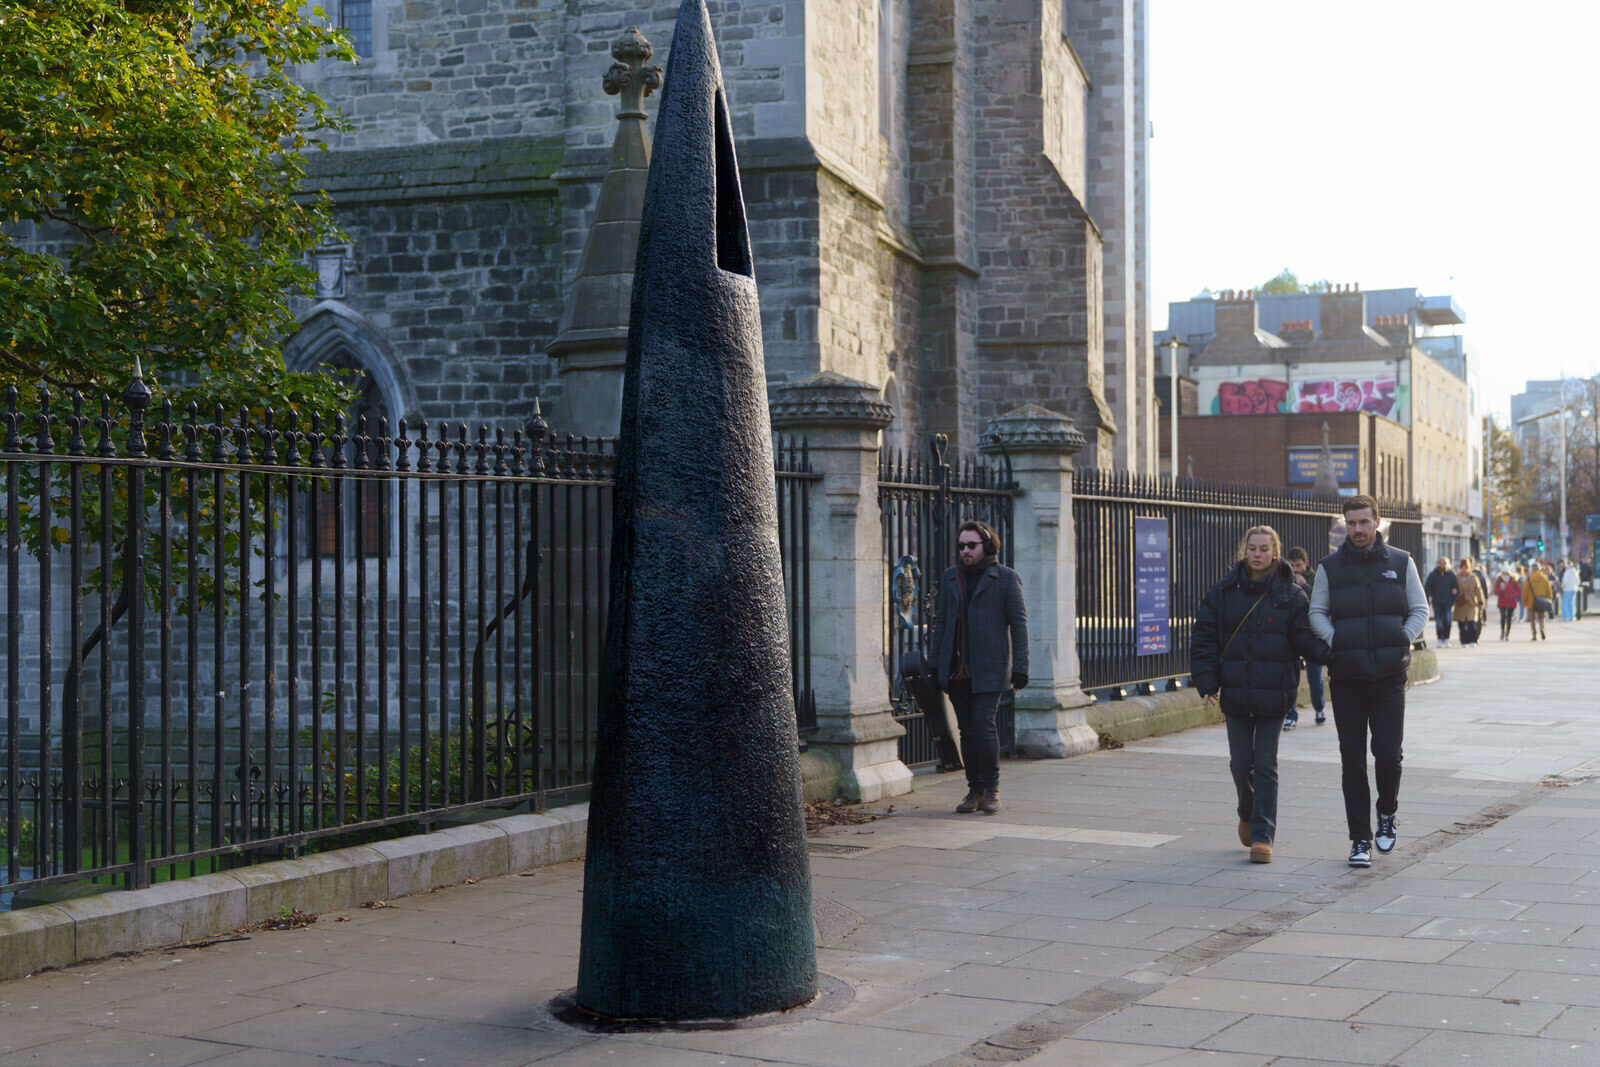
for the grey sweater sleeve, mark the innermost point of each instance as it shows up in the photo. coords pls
(1319, 606)
(1416, 604)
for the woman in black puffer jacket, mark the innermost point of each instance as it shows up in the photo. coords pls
(1250, 633)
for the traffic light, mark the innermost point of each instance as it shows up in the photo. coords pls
(1541, 544)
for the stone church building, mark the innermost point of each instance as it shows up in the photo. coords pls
(947, 201)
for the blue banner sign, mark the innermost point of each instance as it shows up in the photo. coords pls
(1303, 465)
(1152, 586)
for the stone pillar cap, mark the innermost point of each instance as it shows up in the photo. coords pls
(1032, 428)
(828, 399)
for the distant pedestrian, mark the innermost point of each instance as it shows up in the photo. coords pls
(1482, 577)
(1250, 632)
(1522, 580)
(1468, 608)
(1570, 581)
(1368, 603)
(1300, 563)
(1442, 591)
(980, 644)
(1507, 596)
(1537, 599)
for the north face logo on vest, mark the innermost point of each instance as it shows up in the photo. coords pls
(1389, 574)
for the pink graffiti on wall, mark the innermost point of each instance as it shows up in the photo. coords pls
(1254, 396)
(1375, 395)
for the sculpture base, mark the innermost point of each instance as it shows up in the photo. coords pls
(832, 995)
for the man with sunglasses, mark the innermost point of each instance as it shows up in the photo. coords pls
(980, 650)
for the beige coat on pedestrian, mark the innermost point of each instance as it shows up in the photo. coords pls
(1469, 600)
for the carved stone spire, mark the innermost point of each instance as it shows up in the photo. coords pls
(1326, 487)
(592, 344)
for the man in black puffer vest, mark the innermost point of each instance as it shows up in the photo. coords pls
(1368, 603)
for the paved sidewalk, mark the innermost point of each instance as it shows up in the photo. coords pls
(1107, 915)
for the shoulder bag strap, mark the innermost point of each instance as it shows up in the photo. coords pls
(1236, 629)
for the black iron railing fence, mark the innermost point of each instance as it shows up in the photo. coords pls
(229, 638)
(923, 502)
(1205, 521)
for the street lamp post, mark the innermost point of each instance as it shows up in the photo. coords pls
(1172, 404)
(1562, 539)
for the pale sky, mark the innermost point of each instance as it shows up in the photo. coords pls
(1446, 146)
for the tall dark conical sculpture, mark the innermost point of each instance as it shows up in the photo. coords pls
(697, 890)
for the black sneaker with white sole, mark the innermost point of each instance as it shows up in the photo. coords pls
(1360, 854)
(1384, 838)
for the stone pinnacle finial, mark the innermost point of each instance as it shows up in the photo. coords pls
(1326, 486)
(628, 77)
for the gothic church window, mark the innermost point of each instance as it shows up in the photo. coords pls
(356, 17)
(365, 516)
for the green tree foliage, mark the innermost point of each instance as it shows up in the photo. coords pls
(150, 160)
(1285, 281)
(1508, 488)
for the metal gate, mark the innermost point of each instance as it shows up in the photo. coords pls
(923, 502)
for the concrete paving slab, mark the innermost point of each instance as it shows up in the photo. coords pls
(1575, 1024)
(1144, 1024)
(1271, 967)
(1262, 998)
(1449, 1047)
(1579, 989)
(1309, 1038)
(1486, 1015)
(1356, 946)
(970, 1017)
(474, 1043)
(1009, 982)
(828, 1044)
(1075, 1053)
(1086, 959)
(1420, 978)
(115, 1048)
(1518, 931)
(1563, 959)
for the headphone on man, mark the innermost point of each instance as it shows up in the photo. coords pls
(983, 530)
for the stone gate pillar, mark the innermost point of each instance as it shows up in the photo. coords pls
(1040, 445)
(857, 739)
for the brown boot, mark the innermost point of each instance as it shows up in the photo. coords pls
(969, 803)
(1244, 832)
(1260, 852)
(990, 804)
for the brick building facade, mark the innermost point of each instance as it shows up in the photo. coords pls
(946, 201)
(1266, 371)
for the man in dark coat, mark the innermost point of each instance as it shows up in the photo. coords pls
(1368, 603)
(1442, 590)
(980, 650)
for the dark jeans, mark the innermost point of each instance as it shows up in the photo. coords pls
(1378, 707)
(1253, 759)
(1314, 685)
(1441, 621)
(1507, 617)
(976, 714)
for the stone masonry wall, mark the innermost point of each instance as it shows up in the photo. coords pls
(1065, 88)
(452, 70)
(842, 86)
(1038, 251)
(465, 292)
(1102, 31)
